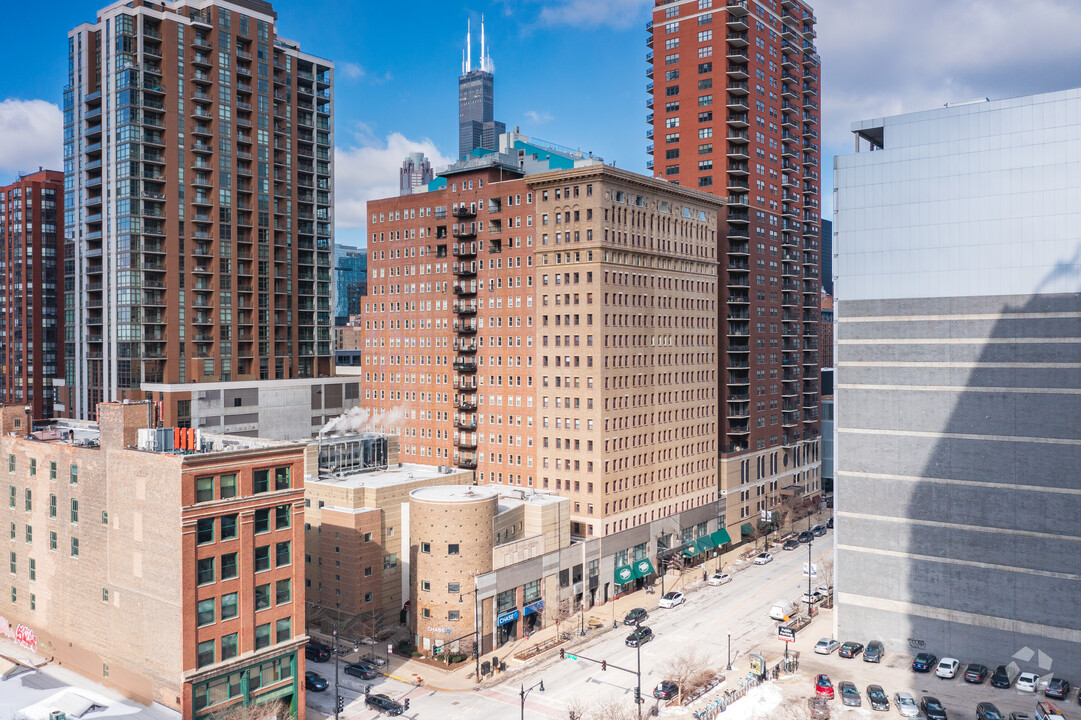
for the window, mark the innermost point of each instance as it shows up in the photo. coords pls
(283, 591)
(12, 565)
(228, 486)
(52, 506)
(74, 510)
(228, 566)
(262, 636)
(204, 612)
(452, 549)
(11, 497)
(425, 547)
(52, 540)
(29, 500)
(204, 570)
(11, 463)
(75, 547)
(204, 489)
(205, 653)
(29, 534)
(230, 607)
(282, 554)
(424, 584)
(34, 574)
(283, 629)
(390, 561)
(705, 181)
(453, 588)
(228, 646)
(52, 470)
(262, 596)
(74, 474)
(33, 467)
(283, 516)
(262, 521)
(452, 615)
(104, 517)
(261, 481)
(204, 531)
(281, 478)
(228, 527)
(262, 558)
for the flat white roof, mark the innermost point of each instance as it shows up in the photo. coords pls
(393, 475)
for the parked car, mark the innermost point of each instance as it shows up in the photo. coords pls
(947, 668)
(362, 670)
(1046, 710)
(1003, 676)
(932, 709)
(812, 598)
(720, 579)
(924, 662)
(988, 711)
(791, 544)
(823, 686)
(315, 682)
(1028, 682)
(640, 636)
(635, 616)
(826, 645)
(666, 690)
(763, 558)
(829, 523)
(386, 704)
(1057, 689)
(874, 652)
(672, 599)
(850, 649)
(876, 698)
(374, 660)
(906, 704)
(805, 537)
(850, 696)
(976, 673)
(1020, 716)
(317, 652)
(818, 530)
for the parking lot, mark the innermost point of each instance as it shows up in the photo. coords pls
(895, 675)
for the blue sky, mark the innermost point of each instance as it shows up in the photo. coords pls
(567, 71)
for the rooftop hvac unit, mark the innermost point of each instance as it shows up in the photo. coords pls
(57, 715)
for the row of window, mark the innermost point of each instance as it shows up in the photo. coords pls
(205, 567)
(227, 607)
(226, 485)
(226, 647)
(73, 473)
(227, 525)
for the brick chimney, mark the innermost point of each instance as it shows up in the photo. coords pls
(15, 419)
(120, 423)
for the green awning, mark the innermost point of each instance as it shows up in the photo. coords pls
(721, 537)
(624, 575)
(747, 529)
(690, 552)
(643, 568)
(706, 542)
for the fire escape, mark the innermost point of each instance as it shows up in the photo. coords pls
(465, 338)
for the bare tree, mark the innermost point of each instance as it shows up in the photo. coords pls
(371, 623)
(797, 709)
(687, 671)
(274, 710)
(564, 611)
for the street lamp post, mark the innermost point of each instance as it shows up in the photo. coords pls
(526, 690)
(638, 650)
(810, 598)
(337, 694)
(729, 652)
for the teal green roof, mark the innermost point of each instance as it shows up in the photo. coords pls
(555, 160)
(438, 183)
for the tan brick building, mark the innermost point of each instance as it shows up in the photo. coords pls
(161, 562)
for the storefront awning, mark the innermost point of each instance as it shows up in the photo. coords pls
(690, 551)
(706, 542)
(747, 529)
(643, 568)
(624, 575)
(721, 537)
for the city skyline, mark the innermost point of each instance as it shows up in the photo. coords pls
(378, 96)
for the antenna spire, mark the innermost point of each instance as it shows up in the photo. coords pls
(468, 45)
(483, 60)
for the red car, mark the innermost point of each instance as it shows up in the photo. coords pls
(823, 687)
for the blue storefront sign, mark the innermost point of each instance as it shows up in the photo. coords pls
(533, 607)
(507, 617)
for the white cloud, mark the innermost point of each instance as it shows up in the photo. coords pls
(31, 135)
(617, 14)
(350, 70)
(538, 118)
(369, 170)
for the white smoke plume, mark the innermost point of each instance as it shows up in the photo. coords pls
(358, 420)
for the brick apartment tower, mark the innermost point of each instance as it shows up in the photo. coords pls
(733, 109)
(554, 330)
(31, 309)
(199, 145)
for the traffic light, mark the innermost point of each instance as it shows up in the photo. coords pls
(562, 654)
(604, 664)
(367, 689)
(341, 703)
(407, 703)
(638, 696)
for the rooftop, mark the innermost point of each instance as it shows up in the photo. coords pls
(455, 493)
(399, 474)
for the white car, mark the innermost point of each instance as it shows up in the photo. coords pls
(815, 597)
(720, 578)
(906, 704)
(1027, 682)
(763, 558)
(947, 668)
(672, 599)
(826, 645)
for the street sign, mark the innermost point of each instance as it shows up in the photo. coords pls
(786, 634)
(571, 657)
(814, 570)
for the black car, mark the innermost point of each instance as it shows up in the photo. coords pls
(805, 537)
(386, 704)
(666, 690)
(317, 652)
(1001, 677)
(931, 708)
(924, 662)
(818, 530)
(874, 652)
(975, 673)
(362, 670)
(850, 649)
(640, 636)
(635, 616)
(829, 523)
(791, 544)
(988, 711)
(315, 682)
(876, 698)
(1058, 688)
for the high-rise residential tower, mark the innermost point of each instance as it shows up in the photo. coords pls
(350, 281)
(958, 421)
(477, 126)
(198, 157)
(415, 174)
(31, 313)
(733, 110)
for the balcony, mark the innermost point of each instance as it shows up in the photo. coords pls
(464, 403)
(464, 211)
(465, 233)
(463, 365)
(465, 269)
(465, 346)
(462, 327)
(465, 308)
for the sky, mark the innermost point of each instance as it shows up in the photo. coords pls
(570, 72)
